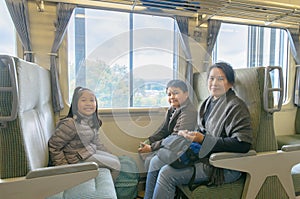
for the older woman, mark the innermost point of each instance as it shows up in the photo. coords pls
(180, 115)
(224, 126)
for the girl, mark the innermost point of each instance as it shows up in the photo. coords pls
(76, 136)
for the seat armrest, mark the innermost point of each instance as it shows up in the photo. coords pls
(62, 169)
(292, 147)
(227, 155)
(44, 182)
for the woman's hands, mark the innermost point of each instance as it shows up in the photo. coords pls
(144, 148)
(192, 135)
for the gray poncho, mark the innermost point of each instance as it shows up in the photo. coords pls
(230, 117)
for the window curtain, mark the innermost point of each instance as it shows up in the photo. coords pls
(183, 25)
(18, 10)
(64, 12)
(293, 35)
(212, 34)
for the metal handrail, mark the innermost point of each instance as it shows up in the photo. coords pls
(13, 88)
(268, 89)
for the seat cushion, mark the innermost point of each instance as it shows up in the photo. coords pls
(101, 187)
(230, 190)
(296, 178)
(287, 140)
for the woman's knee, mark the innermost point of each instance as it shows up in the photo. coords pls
(167, 170)
(167, 174)
(155, 164)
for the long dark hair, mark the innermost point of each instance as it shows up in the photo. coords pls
(226, 68)
(74, 108)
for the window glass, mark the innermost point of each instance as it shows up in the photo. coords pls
(231, 45)
(7, 33)
(119, 56)
(252, 46)
(152, 59)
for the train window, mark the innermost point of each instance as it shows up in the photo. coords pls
(120, 57)
(7, 33)
(251, 46)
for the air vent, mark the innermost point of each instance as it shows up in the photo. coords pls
(172, 4)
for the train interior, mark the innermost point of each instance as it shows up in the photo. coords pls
(126, 50)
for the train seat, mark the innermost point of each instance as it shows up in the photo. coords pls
(26, 123)
(295, 137)
(260, 180)
(291, 139)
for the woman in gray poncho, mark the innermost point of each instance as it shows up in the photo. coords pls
(224, 126)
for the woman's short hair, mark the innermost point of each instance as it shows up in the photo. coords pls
(226, 68)
(178, 84)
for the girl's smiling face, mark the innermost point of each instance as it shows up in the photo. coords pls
(87, 103)
(176, 96)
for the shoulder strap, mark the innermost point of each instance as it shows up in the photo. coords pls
(191, 184)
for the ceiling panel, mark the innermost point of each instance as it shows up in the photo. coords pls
(264, 11)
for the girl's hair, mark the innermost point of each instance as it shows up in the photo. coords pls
(74, 108)
(178, 84)
(226, 68)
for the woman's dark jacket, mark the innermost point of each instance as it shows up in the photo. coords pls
(184, 118)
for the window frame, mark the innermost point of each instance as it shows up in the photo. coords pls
(256, 43)
(174, 63)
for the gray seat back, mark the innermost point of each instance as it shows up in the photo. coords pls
(250, 87)
(24, 139)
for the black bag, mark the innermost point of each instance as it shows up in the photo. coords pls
(178, 151)
(189, 157)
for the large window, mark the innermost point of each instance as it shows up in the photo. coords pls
(251, 46)
(125, 58)
(7, 33)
